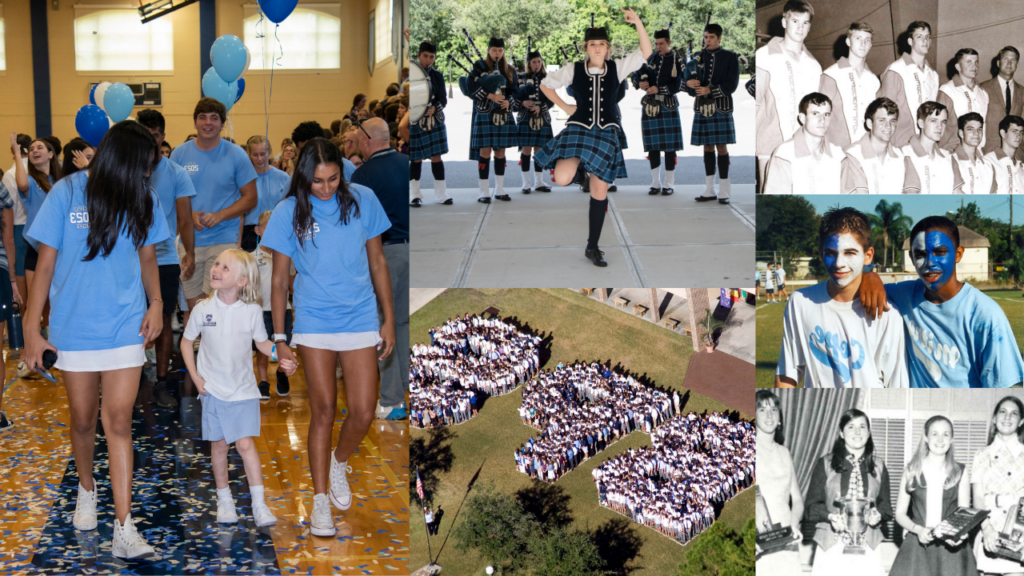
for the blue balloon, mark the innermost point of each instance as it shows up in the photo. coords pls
(92, 95)
(278, 10)
(118, 101)
(241, 88)
(216, 88)
(92, 123)
(229, 57)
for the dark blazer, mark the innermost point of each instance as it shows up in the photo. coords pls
(997, 111)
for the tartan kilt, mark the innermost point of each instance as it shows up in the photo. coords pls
(598, 149)
(529, 137)
(423, 145)
(484, 134)
(709, 130)
(663, 133)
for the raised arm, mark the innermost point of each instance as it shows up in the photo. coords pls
(20, 175)
(645, 40)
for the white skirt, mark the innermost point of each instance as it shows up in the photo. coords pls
(100, 360)
(338, 342)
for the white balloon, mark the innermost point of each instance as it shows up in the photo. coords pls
(100, 91)
(248, 60)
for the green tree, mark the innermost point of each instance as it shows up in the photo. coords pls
(889, 223)
(496, 525)
(565, 552)
(719, 551)
(787, 224)
(513, 22)
(434, 20)
(688, 18)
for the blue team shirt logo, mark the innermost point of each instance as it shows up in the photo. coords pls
(209, 321)
(827, 349)
(931, 354)
(79, 216)
(191, 167)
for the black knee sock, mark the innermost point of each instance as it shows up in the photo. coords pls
(524, 162)
(723, 166)
(655, 158)
(484, 168)
(670, 161)
(499, 166)
(597, 210)
(709, 163)
(437, 169)
(415, 170)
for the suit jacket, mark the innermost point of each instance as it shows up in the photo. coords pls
(997, 111)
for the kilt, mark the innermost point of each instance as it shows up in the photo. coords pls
(717, 129)
(599, 151)
(423, 145)
(529, 137)
(663, 133)
(485, 134)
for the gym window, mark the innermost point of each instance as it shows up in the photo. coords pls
(114, 39)
(310, 38)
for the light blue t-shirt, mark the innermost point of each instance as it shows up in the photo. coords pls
(99, 304)
(270, 187)
(333, 291)
(170, 182)
(32, 201)
(966, 342)
(217, 176)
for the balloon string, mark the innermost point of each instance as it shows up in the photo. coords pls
(263, 57)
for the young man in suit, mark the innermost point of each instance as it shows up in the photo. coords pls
(1005, 98)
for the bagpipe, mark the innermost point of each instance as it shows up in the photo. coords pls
(694, 69)
(652, 103)
(493, 82)
(531, 91)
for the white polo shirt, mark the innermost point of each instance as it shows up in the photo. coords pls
(782, 81)
(850, 93)
(963, 101)
(934, 173)
(225, 352)
(793, 168)
(1008, 172)
(865, 172)
(979, 175)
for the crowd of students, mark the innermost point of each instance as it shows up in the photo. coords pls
(695, 465)
(467, 358)
(126, 233)
(580, 409)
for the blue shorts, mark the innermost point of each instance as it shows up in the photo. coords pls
(20, 247)
(230, 421)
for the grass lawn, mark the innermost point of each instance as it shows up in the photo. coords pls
(769, 331)
(581, 328)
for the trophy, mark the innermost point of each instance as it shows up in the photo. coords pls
(770, 537)
(854, 511)
(1011, 538)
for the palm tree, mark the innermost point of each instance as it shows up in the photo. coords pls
(889, 222)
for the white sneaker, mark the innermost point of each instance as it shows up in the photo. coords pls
(128, 543)
(341, 496)
(226, 511)
(85, 509)
(263, 516)
(321, 523)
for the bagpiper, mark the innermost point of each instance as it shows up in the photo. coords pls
(534, 118)
(428, 138)
(493, 84)
(661, 78)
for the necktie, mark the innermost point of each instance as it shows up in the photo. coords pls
(1007, 98)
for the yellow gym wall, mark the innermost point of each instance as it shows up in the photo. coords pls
(296, 97)
(17, 104)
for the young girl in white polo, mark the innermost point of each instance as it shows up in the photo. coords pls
(229, 321)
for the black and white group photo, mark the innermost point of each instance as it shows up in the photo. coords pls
(613, 145)
(904, 98)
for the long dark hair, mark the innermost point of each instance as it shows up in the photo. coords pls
(839, 452)
(76, 145)
(117, 191)
(315, 152)
(501, 64)
(44, 183)
(1020, 411)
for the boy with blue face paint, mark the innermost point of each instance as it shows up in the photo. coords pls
(956, 337)
(828, 340)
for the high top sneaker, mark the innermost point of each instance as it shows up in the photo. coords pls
(128, 543)
(85, 509)
(321, 523)
(341, 496)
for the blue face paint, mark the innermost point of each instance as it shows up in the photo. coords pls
(842, 253)
(932, 263)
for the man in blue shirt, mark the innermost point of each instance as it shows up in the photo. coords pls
(225, 185)
(956, 336)
(386, 172)
(175, 190)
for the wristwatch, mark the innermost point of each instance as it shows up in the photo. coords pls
(280, 338)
